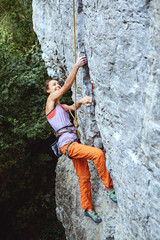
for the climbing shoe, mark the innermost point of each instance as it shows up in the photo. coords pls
(93, 215)
(111, 193)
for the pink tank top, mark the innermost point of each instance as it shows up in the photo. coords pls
(58, 118)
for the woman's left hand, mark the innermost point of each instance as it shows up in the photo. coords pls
(87, 100)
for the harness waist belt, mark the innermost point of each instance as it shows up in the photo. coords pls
(64, 129)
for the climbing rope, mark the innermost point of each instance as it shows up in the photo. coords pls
(75, 83)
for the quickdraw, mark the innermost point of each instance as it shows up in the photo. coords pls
(93, 97)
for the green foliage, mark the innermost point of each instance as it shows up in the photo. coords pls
(16, 17)
(22, 102)
(27, 205)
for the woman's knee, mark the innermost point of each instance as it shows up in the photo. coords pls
(100, 153)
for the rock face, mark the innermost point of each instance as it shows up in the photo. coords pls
(121, 39)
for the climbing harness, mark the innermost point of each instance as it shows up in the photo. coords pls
(65, 129)
(58, 133)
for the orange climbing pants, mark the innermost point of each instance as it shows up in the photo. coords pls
(80, 154)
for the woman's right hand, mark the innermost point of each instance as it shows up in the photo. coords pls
(81, 61)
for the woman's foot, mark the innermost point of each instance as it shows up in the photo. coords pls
(111, 193)
(93, 215)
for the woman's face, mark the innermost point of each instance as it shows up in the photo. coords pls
(53, 86)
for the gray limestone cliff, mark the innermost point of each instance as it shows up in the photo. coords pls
(121, 39)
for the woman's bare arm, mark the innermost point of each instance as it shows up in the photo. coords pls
(81, 61)
(85, 100)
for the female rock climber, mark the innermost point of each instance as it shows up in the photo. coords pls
(58, 117)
